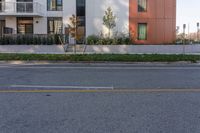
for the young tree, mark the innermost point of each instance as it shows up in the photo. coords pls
(73, 26)
(109, 20)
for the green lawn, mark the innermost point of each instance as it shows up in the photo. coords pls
(100, 57)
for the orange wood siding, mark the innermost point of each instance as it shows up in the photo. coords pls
(160, 18)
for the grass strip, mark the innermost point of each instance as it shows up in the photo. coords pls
(100, 57)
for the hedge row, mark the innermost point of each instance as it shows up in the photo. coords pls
(30, 40)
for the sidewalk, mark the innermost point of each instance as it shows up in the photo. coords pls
(104, 49)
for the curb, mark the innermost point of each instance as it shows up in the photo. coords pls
(16, 62)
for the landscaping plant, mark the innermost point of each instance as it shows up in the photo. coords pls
(109, 20)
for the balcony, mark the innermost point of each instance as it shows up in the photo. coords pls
(29, 9)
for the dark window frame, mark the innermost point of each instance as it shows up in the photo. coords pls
(53, 19)
(24, 6)
(146, 34)
(25, 18)
(1, 5)
(81, 16)
(141, 9)
(57, 5)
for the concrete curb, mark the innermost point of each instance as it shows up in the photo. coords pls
(97, 62)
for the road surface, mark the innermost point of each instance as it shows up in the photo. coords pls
(99, 98)
(100, 76)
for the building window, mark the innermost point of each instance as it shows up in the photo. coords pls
(24, 25)
(1, 5)
(142, 31)
(142, 5)
(80, 13)
(54, 25)
(54, 5)
(24, 6)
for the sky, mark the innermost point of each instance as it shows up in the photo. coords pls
(188, 12)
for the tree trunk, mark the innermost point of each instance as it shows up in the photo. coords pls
(109, 32)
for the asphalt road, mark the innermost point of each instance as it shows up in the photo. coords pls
(99, 98)
(100, 76)
(100, 113)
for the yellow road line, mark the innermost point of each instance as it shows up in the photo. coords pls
(103, 91)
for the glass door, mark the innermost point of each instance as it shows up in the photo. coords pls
(80, 13)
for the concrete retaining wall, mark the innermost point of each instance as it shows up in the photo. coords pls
(102, 49)
(148, 49)
(37, 49)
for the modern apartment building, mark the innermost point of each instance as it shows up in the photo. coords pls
(153, 21)
(147, 21)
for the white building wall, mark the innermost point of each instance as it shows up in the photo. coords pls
(11, 22)
(95, 10)
(40, 25)
(69, 8)
(9, 6)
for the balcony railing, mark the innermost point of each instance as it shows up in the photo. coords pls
(21, 8)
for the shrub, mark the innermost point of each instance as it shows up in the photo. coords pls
(56, 39)
(100, 42)
(39, 40)
(50, 40)
(127, 40)
(115, 41)
(96, 40)
(19, 40)
(29, 39)
(93, 39)
(44, 40)
(35, 40)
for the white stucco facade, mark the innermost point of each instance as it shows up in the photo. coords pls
(94, 11)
